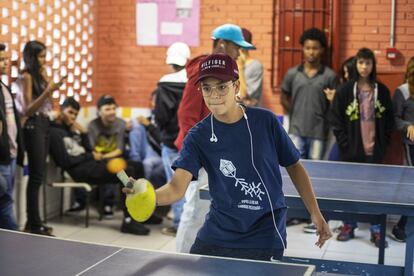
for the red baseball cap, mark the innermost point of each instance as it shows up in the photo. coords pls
(218, 66)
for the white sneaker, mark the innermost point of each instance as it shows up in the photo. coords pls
(107, 212)
(310, 228)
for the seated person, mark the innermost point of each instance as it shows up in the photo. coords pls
(72, 152)
(107, 137)
(144, 145)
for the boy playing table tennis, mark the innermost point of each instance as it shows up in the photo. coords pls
(241, 149)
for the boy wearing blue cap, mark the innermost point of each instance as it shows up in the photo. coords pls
(248, 211)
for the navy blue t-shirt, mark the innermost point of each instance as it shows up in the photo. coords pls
(240, 214)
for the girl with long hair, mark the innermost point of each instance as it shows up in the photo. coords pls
(37, 91)
(362, 120)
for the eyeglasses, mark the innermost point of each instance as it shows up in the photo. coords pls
(222, 89)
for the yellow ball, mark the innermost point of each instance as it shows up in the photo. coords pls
(116, 165)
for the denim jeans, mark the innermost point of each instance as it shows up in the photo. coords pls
(168, 157)
(309, 148)
(141, 150)
(36, 137)
(263, 254)
(7, 219)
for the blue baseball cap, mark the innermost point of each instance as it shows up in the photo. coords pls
(231, 33)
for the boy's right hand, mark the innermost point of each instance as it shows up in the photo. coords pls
(129, 187)
(128, 191)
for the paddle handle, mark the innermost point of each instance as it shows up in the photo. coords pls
(125, 179)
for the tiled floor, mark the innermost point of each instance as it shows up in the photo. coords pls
(300, 244)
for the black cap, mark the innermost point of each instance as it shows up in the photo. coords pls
(104, 100)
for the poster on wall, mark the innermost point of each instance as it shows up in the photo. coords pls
(163, 22)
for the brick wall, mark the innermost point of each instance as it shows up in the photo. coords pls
(131, 72)
(367, 24)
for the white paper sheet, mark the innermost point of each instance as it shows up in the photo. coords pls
(147, 23)
(171, 28)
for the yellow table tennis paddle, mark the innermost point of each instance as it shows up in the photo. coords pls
(142, 203)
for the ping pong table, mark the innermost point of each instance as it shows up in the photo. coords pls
(360, 192)
(27, 254)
